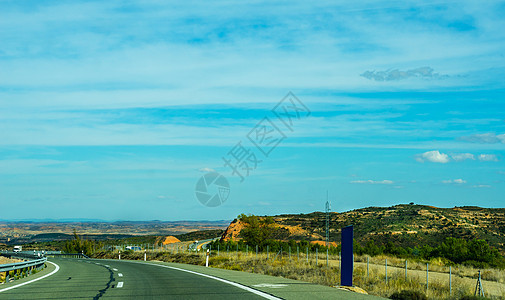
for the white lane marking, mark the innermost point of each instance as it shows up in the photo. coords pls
(271, 285)
(120, 284)
(36, 279)
(240, 286)
(107, 266)
(120, 274)
(115, 270)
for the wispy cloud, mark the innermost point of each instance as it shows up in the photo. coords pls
(454, 181)
(436, 156)
(462, 156)
(488, 157)
(395, 74)
(485, 138)
(372, 181)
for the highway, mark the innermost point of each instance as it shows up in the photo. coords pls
(120, 279)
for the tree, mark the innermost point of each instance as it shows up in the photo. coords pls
(257, 230)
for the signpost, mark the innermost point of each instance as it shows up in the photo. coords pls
(346, 268)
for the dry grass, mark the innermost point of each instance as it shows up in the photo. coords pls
(5, 260)
(438, 265)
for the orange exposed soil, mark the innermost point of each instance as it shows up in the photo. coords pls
(233, 231)
(170, 240)
(323, 243)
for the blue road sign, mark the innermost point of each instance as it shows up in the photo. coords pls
(346, 266)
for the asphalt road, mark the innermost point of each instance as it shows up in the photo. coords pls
(120, 279)
(95, 279)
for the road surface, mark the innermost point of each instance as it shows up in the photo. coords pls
(121, 279)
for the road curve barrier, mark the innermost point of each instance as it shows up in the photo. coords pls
(21, 269)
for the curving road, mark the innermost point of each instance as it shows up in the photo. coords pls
(122, 279)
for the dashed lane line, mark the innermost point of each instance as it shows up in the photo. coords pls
(251, 290)
(120, 284)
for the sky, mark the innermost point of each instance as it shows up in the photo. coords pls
(114, 110)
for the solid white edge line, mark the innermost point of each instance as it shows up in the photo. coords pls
(251, 290)
(36, 279)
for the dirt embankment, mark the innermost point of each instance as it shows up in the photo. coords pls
(233, 231)
(171, 240)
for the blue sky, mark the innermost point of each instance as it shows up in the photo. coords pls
(113, 110)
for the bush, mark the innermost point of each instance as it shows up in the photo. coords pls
(408, 295)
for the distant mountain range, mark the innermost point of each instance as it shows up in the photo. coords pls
(22, 232)
(83, 220)
(406, 225)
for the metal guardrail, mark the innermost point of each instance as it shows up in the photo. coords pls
(22, 265)
(34, 262)
(68, 255)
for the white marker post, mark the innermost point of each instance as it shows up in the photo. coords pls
(119, 255)
(207, 259)
(145, 255)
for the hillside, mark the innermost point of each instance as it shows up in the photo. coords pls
(406, 225)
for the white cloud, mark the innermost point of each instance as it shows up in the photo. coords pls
(454, 181)
(373, 181)
(462, 156)
(433, 156)
(207, 170)
(481, 186)
(488, 157)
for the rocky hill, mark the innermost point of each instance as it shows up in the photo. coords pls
(406, 225)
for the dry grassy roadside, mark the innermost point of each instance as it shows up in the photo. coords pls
(5, 260)
(439, 282)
